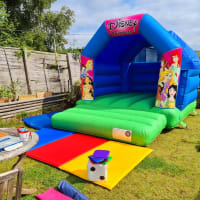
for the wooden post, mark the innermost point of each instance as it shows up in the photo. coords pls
(45, 76)
(11, 79)
(69, 72)
(26, 71)
(58, 67)
(61, 88)
(19, 184)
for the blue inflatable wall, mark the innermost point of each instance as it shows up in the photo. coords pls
(116, 68)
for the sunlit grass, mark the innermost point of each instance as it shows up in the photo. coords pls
(160, 165)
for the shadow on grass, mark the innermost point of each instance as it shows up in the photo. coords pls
(197, 147)
(74, 179)
(189, 142)
(197, 144)
(198, 196)
(170, 129)
(159, 164)
(77, 182)
(165, 131)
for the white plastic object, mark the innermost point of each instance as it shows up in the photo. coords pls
(25, 136)
(96, 172)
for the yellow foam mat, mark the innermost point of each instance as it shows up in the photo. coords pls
(124, 158)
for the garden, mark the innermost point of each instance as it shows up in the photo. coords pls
(115, 116)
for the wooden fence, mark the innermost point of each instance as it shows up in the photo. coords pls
(10, 109)
(38, 71)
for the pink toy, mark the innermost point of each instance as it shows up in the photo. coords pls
(52, 194)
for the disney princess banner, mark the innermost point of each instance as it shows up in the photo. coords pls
(87, 78)
(123, 26)
(168, 79)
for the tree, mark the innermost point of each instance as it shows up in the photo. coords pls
(7, 29)
(26, 13)
(33, 25)
(55, 26)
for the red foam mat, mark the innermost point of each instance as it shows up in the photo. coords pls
(66, 149)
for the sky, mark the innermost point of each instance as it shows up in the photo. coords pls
(183, 17)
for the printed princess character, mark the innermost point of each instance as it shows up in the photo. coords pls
(89, 65)
(158, 96)
(87, 91)
(83, 72)
(164, 65)
(175, 65)
(172, 90)
(165, 80)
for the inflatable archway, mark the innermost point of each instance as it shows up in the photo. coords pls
(155, 35)
(127, 94)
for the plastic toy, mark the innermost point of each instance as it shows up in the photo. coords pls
(97, 165)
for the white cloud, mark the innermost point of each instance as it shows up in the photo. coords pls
(180, 16)
(76, 40)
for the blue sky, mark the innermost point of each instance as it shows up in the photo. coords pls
(181, 16)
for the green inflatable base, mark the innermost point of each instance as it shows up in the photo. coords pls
(131, 118)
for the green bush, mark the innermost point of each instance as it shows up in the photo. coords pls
(5, 91)
(10, 91)
(21, 115)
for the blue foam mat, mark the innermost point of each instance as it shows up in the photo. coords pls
(48, 135)
(39, 121)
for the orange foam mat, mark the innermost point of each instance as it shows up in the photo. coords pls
(124, 158)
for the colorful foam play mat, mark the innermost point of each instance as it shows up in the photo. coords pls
(124, 158)
(69, 151)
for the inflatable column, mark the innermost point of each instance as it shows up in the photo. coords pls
(169, 79)
(87, 91)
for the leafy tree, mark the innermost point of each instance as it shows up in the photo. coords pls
(26, 13)
(7, 28)
(55, 26)
(30, 23)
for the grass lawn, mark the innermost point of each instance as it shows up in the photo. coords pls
(198, 52)
(171, 172)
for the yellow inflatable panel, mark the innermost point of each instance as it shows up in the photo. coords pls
(124, 158)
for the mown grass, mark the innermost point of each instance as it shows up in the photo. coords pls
(160, 165)
(198, 52)
(170, 172)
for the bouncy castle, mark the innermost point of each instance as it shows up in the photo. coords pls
(137, 79)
